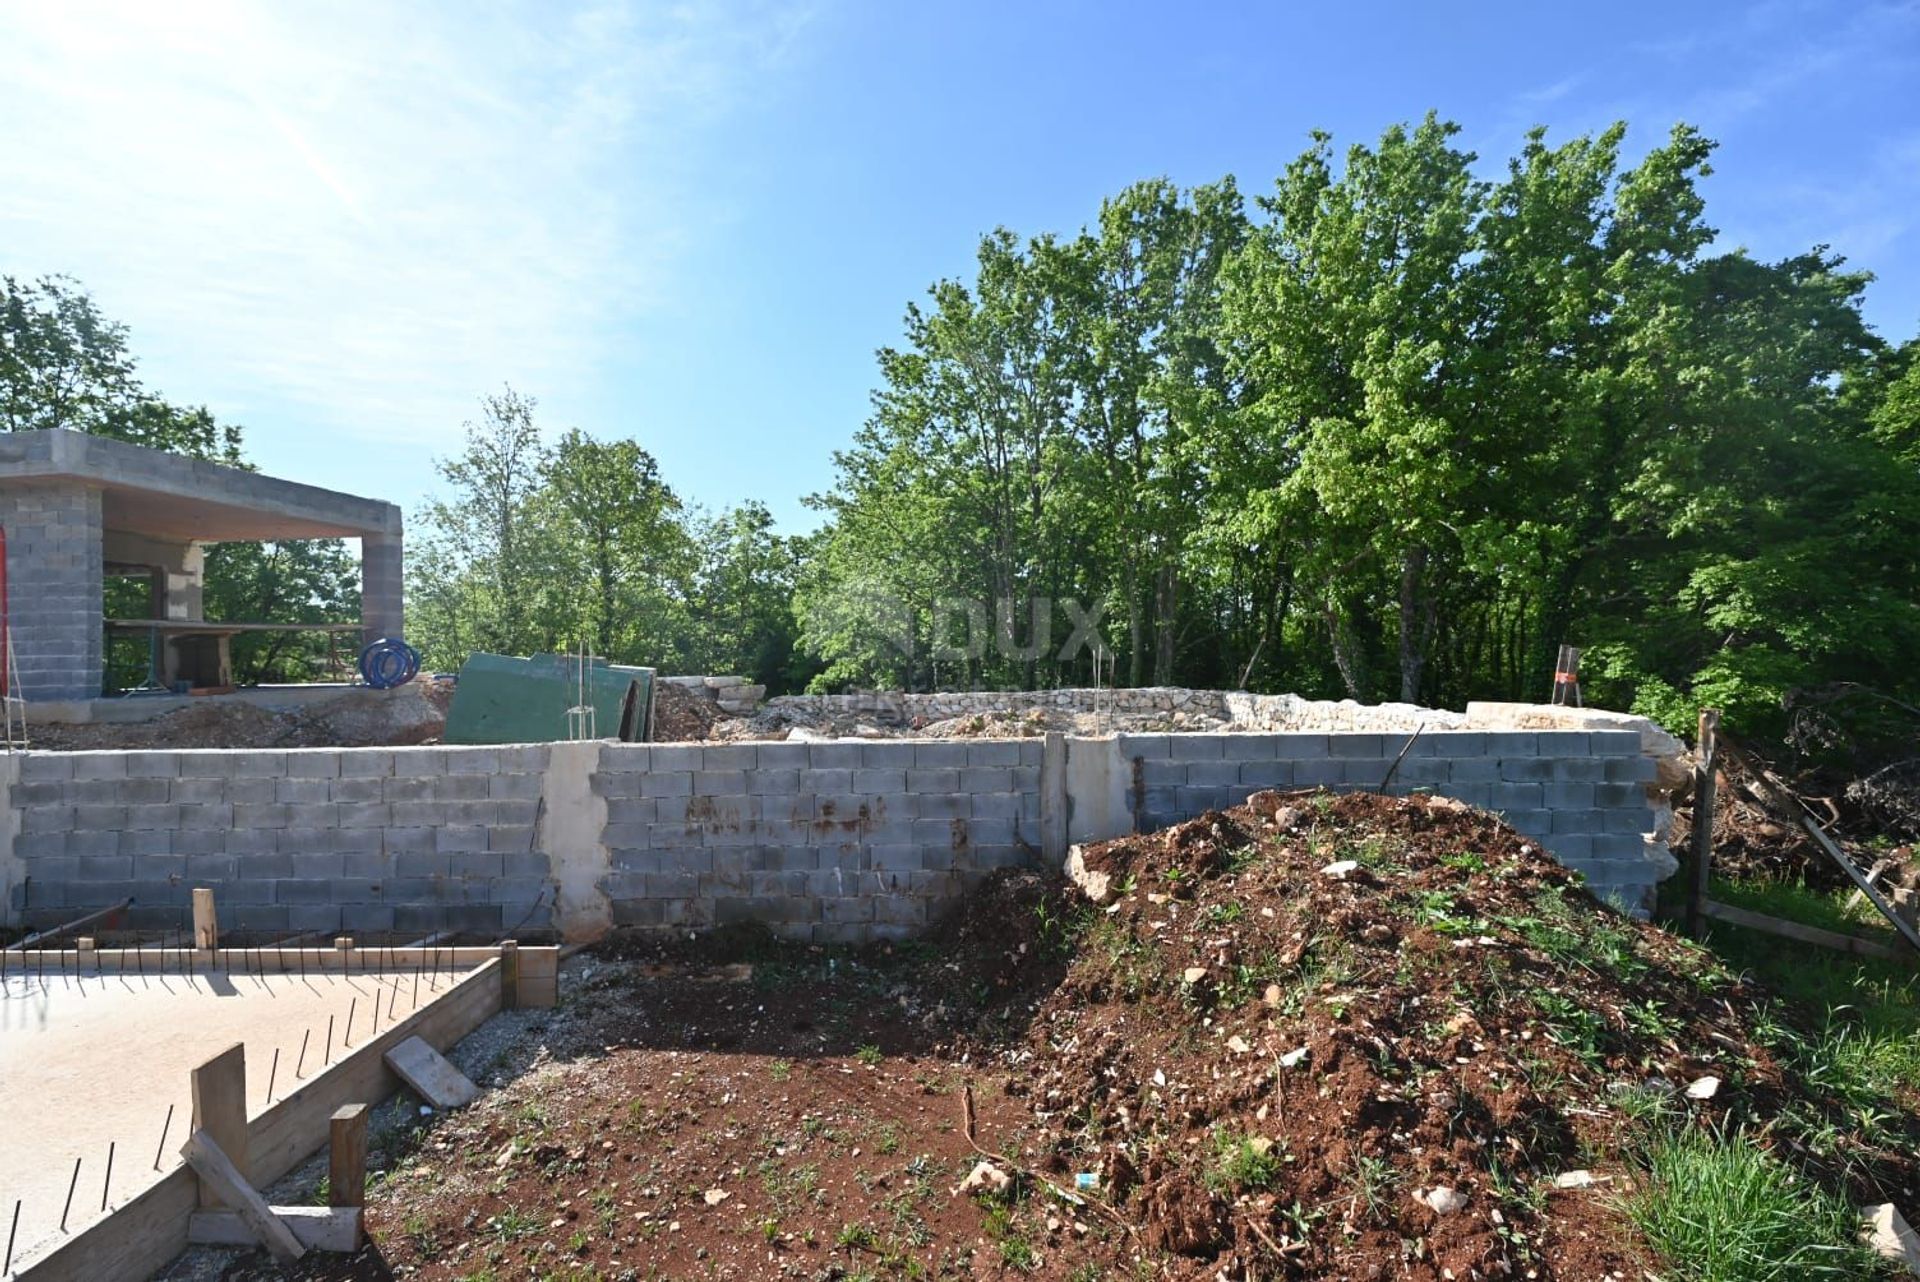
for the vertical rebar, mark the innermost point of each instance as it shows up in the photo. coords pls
(107, 1183)
(273, 1073)
(72, 1184)
(328, 1058)
(163, 1138)
(8, 1266)
(303, 1052)
(346, 1038)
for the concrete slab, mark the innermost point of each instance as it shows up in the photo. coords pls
(85, 1062)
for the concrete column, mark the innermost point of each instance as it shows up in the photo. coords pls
(382, 586)
(178, 571)
(55, 588)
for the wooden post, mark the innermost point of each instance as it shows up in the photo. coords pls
(347, 1156)
(206, 925)
(220, 1109)
(1707, 749)
(509, 974)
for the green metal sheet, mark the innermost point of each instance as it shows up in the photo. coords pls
(503, 699)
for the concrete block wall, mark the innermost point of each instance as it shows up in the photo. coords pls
(833, 842)
(55, 587)
(1583, 795)
(364, 840)
(841, 841)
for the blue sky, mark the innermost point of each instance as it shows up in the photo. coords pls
(340, 223)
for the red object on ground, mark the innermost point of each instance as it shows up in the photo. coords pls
(6, 631)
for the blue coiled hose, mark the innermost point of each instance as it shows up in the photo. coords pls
(389, 662)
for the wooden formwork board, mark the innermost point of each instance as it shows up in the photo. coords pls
(536, 969)
(144, 1234)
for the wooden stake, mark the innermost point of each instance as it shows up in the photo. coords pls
(206, 924)
(1707, 749)
(347, 1156)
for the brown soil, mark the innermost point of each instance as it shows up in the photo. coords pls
(1471, 1020)
(680, 715)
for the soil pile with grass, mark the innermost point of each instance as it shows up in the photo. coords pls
(1365, 1037)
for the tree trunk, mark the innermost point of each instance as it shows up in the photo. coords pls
(1166, 600)
(1415, 624)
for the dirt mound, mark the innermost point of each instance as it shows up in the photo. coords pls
(356, 718)
(1317, 1033)
(680, 715)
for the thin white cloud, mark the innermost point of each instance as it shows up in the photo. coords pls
(371, 211)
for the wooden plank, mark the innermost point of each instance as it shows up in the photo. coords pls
(347, 1156)
(134, 1242)
(1707, 747)
(220, 1110)
(269, 959)
(433, 1079)
(1804, 933)
(206, 922)
(318, 1228)
(215, 1168)
(297, 1124)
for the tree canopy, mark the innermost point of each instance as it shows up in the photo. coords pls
(1396, 431)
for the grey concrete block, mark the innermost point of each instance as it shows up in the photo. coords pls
(366, 763)
(45, 767)
(720, 783)
(733, 756)
(475, 866)
(1196, 747)
(407, 788)
(1572, 821)
(1206, 774)
(1526, 769)
(314, 763)
(268, 816)
(666, 785)
(1632, 770)
(826, 782)
(1563, 743)
(400, 839)
(418, 763)
(942, 755)
(933, 779)
(99, 818)
(473, 761)
(461, 787)
(463, 839)
(785, 756)
(147, 841)
(677, 758)
(252, 791)
(45, 819)
(1588, 770)
(1320, 774)
(1002, 752)
(301, 890)
(1626, 819)
(367, 918)
(303, 790)
(1614, 743)
(522, 787)
(764, 782)
(1471, 770)
(879, 781)
(1569, 796)
(1513, 743)
(1519, 796)
(888, 756)
(99, 765)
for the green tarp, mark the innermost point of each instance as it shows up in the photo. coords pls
(502, 699)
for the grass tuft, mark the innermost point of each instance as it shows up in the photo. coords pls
(1721, 1208)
